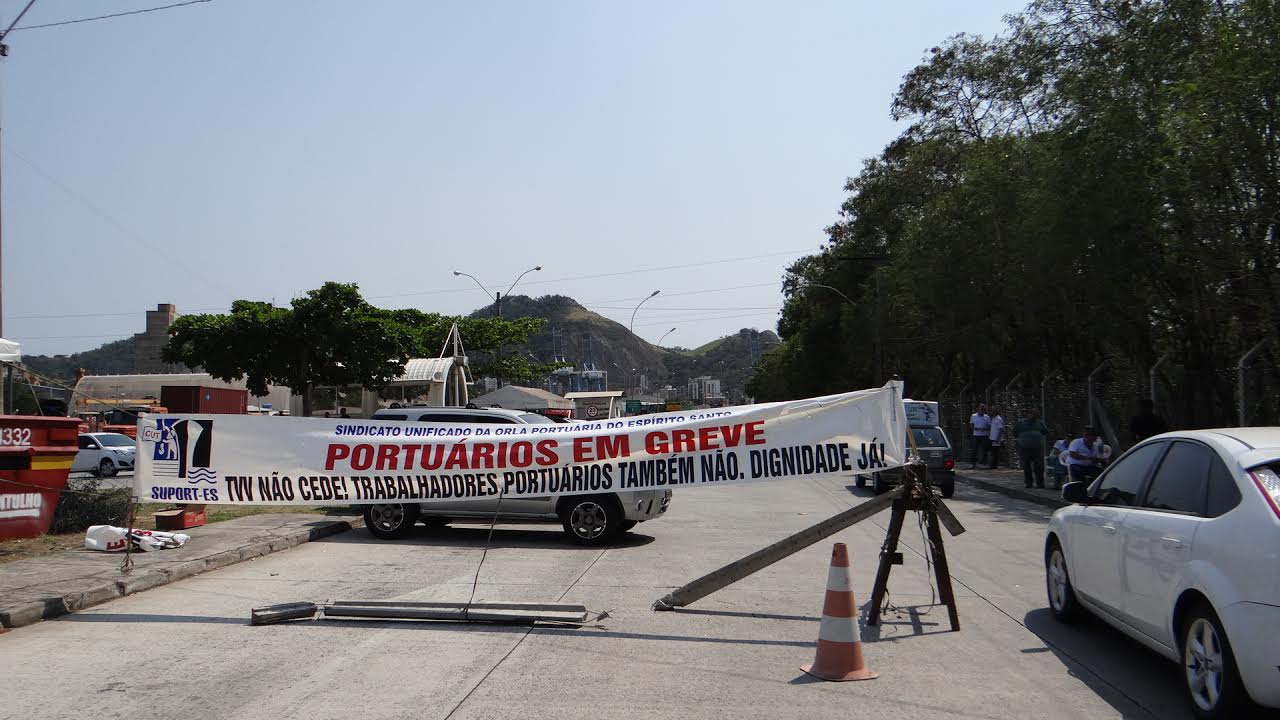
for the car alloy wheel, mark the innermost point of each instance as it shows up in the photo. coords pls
(1057, 581)
(390, 521)
(106, 468)
(1058, 588)
(589, 520)
(1203, 657)
(388, 518)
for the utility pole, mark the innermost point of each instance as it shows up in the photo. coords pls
(4, 52)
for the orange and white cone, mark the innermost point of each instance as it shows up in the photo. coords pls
(839, 655)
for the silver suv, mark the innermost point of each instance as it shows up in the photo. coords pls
(588, 519)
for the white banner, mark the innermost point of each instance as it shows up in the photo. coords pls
(259, 460)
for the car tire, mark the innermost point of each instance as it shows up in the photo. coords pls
(948, 490)
(106, 468)
(1057, 580)
(391, 521)
(1209, 671)
(591, 520)
(860, 480)
(878, 485)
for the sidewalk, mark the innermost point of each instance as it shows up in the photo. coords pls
(41, 588)
(1010, 482)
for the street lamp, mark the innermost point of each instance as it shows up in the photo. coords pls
(834, 290)
(632, 327)
(664, 336)
(496, 297)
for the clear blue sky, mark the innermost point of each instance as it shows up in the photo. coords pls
(254, 149)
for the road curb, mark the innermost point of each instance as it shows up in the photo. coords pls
(52, 607)
(1013, 492)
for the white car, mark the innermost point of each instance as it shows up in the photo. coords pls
(104, 454)
(594, 519)
(1177, 544)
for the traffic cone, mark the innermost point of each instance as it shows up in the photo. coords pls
(839, 655)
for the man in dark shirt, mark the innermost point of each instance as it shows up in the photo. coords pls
(1030, 434)
(1146, 423)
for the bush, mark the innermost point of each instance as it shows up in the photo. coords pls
(90, 505)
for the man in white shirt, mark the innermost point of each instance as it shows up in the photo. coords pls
(997, 437)
(981, 423)
(1084, 459)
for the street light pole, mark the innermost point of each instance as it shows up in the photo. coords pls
(664, 336)
(632, 327)
(496, 297)
(497, 300)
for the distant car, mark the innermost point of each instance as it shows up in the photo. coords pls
(935, 451)
(595, 519)
(104, 454)
(1177, 545)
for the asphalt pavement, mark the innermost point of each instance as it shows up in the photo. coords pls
(186, 649)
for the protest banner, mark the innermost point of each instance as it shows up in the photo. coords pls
(259, 460)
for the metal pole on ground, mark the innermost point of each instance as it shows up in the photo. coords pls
(785, 547)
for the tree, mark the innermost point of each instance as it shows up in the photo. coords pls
(330, 336)
(1101, 181)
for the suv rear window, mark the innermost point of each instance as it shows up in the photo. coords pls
(928, 437)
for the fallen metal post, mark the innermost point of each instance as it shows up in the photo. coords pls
(762, 559)
(490, 612)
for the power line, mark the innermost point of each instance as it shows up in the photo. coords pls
(111, 219)
(613, 274)
(16, 20)
(106, 17)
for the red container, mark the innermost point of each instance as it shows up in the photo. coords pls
(209, 400)
(35, 457)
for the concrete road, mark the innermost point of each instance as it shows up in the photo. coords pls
(186, 650)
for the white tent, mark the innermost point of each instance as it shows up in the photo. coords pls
(10, 351)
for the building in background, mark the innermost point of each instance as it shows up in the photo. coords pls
(705, 389)
(148, 344)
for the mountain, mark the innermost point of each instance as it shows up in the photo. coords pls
(571, 331)
(114, 358)
(580, 336)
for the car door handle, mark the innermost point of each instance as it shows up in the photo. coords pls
(1172, 541)
(1111, 529)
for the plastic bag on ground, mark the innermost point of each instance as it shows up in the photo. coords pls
(115, 539)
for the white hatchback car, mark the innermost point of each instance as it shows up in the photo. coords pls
(1177, 544)
(104, 454)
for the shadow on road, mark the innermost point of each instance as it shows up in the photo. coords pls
(1118, 669)
(732, 613)
(503, 537)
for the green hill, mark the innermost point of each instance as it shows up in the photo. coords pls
(114, 358)
(612, 347)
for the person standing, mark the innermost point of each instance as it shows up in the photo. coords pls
(1029, 434)
(981, 424)
(1083, 456)
(996, 436)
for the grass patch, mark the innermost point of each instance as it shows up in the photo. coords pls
(83, 507)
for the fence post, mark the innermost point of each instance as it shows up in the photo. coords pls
(1089, 386)
(1155, 368)
(1240, 367)
(986, 394)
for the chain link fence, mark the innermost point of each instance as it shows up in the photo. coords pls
(1111, 397)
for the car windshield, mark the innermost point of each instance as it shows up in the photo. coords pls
(115, 440)
(928, 437)
(536, 419)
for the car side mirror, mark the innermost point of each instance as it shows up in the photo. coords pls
(1076, 492)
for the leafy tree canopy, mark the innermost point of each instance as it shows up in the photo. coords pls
(333, 336)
